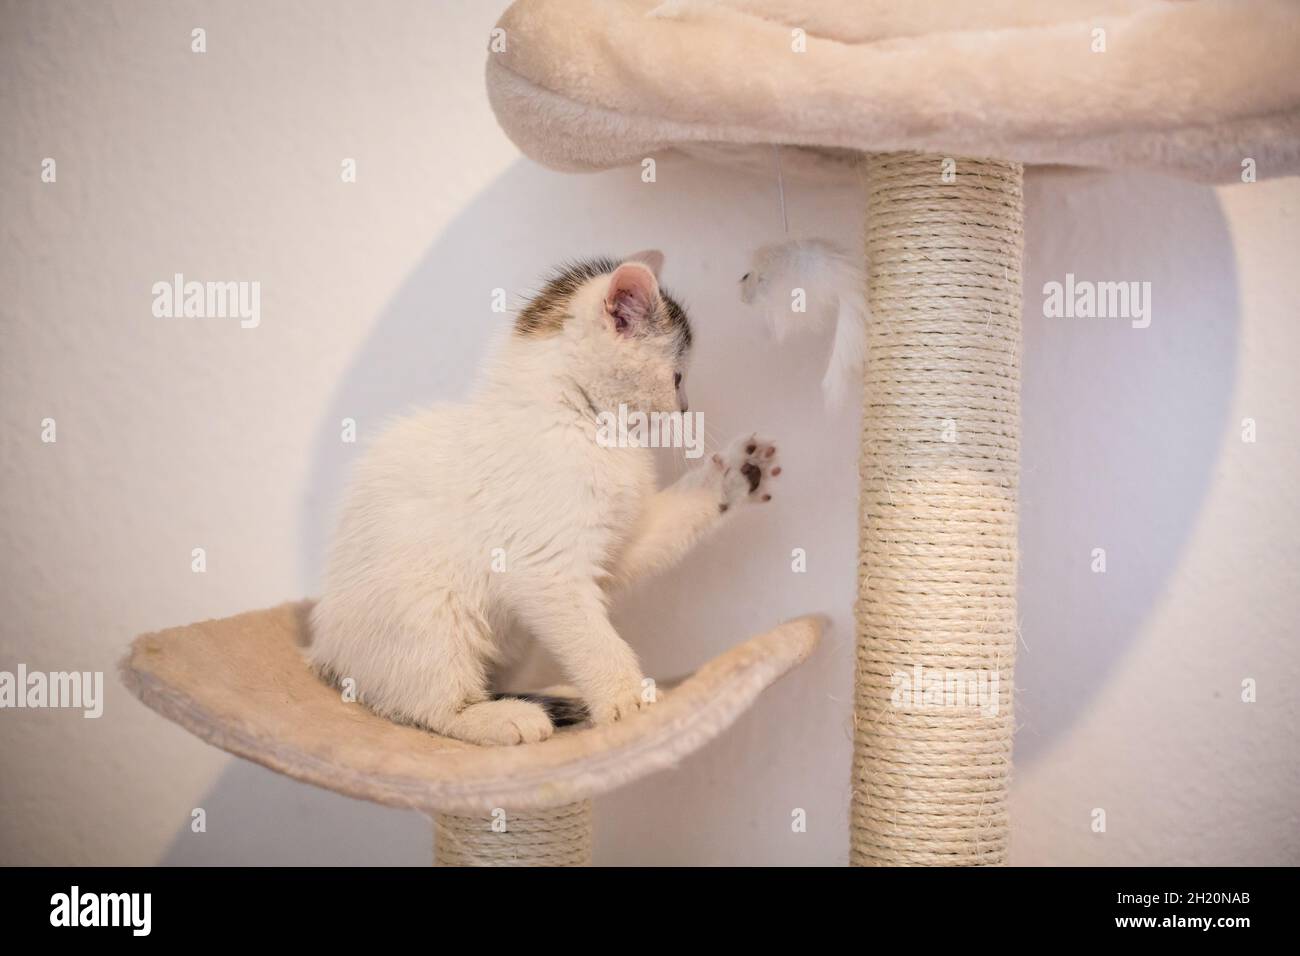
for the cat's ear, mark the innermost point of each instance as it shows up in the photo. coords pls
(632, 297)
(652, 258)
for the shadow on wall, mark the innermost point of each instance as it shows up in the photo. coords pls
(1121, 428)
(1122, 425)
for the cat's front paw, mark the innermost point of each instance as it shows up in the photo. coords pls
(746, 468)
(621, 700)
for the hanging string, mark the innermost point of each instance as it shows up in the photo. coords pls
(780, 185)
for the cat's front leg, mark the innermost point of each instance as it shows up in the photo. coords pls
(570, 619)
(679, 516)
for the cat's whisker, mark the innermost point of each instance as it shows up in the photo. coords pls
(712, 442)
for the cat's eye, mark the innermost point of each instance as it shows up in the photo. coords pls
(677, 379)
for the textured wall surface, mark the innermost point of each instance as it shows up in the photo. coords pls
(175, 434)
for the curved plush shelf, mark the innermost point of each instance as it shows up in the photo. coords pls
(1188, 88)
(241, 684)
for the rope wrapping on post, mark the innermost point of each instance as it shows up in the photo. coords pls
(939, 467)
(560, 836)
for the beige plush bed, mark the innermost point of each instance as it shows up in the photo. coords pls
(1188, 86)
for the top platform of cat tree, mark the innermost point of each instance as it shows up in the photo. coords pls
(1193, 88)
(242, 684)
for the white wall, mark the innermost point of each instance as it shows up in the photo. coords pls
(175, 434)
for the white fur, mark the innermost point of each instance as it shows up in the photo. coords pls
(834, 286)
(413, 609)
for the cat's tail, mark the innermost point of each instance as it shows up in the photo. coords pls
(563, 711)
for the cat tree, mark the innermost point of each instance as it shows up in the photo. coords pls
(903, 95)
(898, 94)
(241, 684)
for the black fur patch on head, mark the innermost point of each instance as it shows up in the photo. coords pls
(546, 312)
(678, 322)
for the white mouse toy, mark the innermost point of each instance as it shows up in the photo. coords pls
(808, 284)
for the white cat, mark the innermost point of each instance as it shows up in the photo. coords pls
(465, 521)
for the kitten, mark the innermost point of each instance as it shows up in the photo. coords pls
(466, 520)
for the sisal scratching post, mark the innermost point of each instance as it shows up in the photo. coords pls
(938, 467)
(560, 836)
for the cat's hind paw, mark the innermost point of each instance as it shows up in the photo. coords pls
(506, 721)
